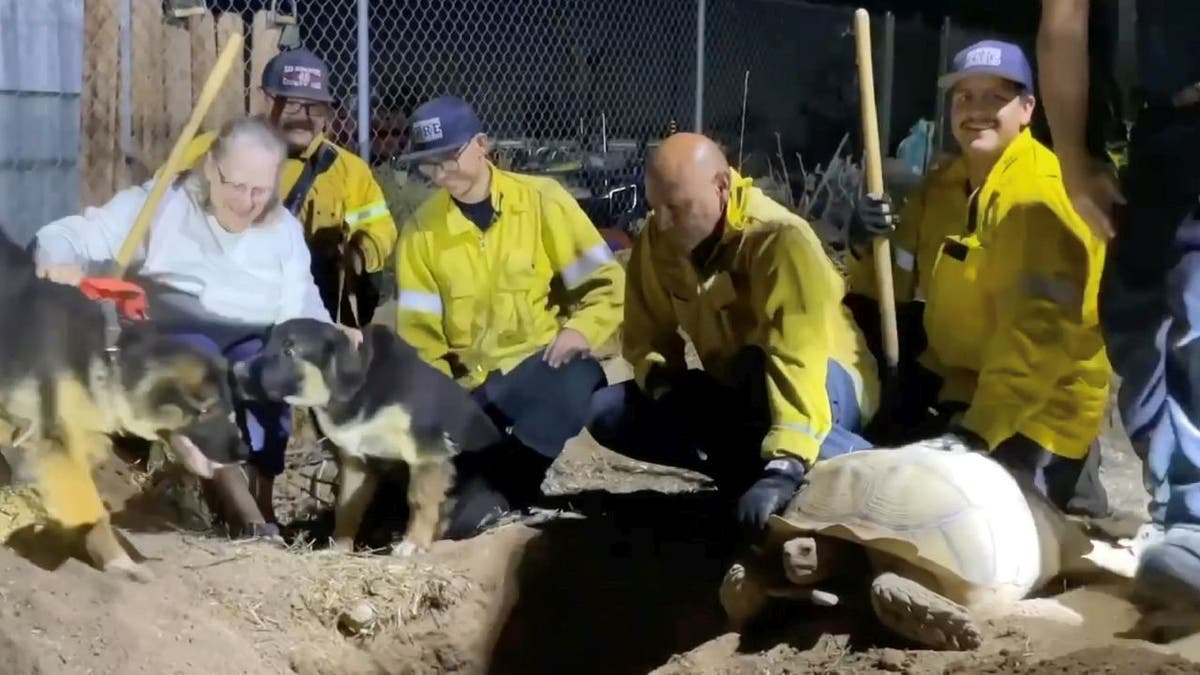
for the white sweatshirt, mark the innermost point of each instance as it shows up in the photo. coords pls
(260, 276)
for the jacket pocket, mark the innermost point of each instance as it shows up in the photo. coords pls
(956, 310)
(459, 312)
(515, 322)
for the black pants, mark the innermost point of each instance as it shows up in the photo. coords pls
(363, 289)
(538, 409)
(712, 427)
(901, 410)
(1072, 485)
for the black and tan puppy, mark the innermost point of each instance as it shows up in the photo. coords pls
(377, 400)
(71, 378)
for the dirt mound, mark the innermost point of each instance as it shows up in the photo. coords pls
(1095, 661)
(620, 576)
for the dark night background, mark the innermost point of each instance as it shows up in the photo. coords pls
(544, 68)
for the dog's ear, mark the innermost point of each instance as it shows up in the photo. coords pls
(350, 363)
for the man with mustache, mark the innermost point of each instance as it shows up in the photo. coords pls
(347, 225)
(330, 189)
(1006, 275)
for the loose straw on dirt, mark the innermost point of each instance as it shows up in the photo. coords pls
(398, 593)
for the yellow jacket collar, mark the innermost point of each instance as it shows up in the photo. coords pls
(736, 217)
(1022, 147)
(506, 196)
(736, 208)
(312, 147)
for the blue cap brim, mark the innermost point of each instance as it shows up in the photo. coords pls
(950, 79)
(418, 155)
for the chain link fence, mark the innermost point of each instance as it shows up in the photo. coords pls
(97, 91)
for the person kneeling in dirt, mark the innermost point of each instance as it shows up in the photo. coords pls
(1004, 276)
(788, 379)
(475, 265)
(223, 262)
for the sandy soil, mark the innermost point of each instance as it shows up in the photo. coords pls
(618, 576)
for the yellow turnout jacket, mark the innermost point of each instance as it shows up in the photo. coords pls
(482, 299)
(769, 284)
(1011, 309)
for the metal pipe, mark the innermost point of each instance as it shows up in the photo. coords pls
(885, 82)
(364, 81)
(698, 120)
(603, 133)
(943, 60)
(126, 65)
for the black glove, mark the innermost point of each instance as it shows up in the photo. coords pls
(770, 493)
(658, 383)
(873, 217)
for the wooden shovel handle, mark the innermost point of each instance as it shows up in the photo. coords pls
(216, 79)
(874, 174)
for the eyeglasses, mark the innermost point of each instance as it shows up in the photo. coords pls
(311, 109)
(431, 167)
(257, 192)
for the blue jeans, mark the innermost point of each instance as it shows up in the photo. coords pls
(541, 407)
(265, 426)
(713, 428)
(1150, 310)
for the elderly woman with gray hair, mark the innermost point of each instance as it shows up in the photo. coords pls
(223, 262)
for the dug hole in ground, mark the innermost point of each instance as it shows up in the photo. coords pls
(623, 579)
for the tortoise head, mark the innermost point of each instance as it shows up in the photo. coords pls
(809, 560)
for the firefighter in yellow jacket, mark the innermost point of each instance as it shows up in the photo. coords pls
(475, 265)
(1010, 287)
(937, 208)
(787, 376)
(330, 189)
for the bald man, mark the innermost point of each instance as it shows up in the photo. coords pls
(787, 376)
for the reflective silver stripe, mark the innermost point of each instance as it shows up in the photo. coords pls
(366, 213)
(1065, 292)
(905, 260)
(419, 301)
(799, 428)
(582, 267)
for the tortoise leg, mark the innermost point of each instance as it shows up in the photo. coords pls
(917, 613)
(743, 593)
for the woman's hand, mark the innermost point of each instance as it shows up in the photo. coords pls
(355, 335)
(569, 344)
(69, 275)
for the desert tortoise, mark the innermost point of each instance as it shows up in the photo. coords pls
(950, 537)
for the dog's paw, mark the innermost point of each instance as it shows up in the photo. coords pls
(406, 549)
(342, 545)
(127, 568)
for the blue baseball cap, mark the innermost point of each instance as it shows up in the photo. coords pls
(990, 57)
(297, 73)
(440, 126)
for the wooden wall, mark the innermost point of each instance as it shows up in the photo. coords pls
(170, 60)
